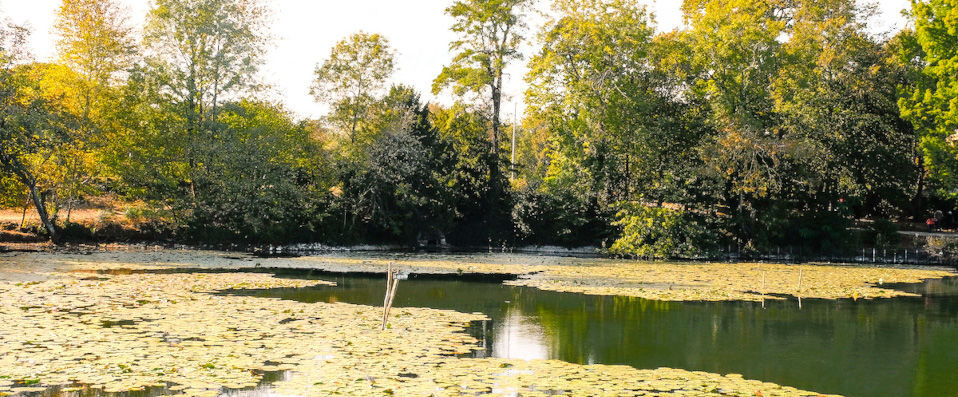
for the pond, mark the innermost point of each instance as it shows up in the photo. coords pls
(890, 347)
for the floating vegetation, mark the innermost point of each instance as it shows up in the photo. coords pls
(650, 280)
(726, 282)
(134, 332)
(661, 280)
(168, 331)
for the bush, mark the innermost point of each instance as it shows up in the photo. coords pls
(658, 232)
(76, 232)
(546, 219)
(883, 233)
(945, 249)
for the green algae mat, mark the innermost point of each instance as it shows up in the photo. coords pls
(202, 333)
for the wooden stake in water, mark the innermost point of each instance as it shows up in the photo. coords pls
(800, 274)
(389, 279)
(763, 289)
(392, 296)
(392, 283)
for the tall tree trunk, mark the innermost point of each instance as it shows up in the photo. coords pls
(44, 215)
(27, 179)
(916, 201)
(496, 107)
(494, 219)
(23, 216)
(69, 208)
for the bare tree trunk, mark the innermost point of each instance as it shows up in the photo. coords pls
(30, 182)
(44, 215)
(23, 216)
(69, 208)
(496, 108)
(916, 201)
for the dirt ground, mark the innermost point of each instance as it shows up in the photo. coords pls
(83, 216)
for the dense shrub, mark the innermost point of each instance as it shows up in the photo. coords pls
(544, 219)
(659, 232)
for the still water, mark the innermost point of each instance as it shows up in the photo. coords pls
(892, 347)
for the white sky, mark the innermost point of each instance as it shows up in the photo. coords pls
(305, 30)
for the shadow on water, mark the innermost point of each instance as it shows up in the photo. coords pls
(262, 388)
(310, 274)
(888, 347)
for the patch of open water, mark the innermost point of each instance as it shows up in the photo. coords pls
(263, 388)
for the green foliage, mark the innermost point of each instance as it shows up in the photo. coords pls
(482, 207)
(259, 181)
(773, 121)
(758, 124)
(560, 219)
(93, 40)
(32, 127)
(148, 150)
(659, 232)
(204, 51)
(351, 79)
(800, 123)
(838, 108)
(930, 100)
(598, 85)
(489, 33)
(95, 45)
(396, 182)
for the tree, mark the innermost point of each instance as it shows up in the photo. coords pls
(797, 95)
(395, 183)
(202, 52)
(595, 83)
(94, 43)
(67, 172)
(351, 79)
(735, 55)
(94, 40)
(618, 131)
(931, 104)
(205, 50)
(471, 178)
(490, 32)
(837, 96)
(29, 124)
(264, 179)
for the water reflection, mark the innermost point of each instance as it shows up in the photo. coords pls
(263, 388)
(519, 336)
(875, 348)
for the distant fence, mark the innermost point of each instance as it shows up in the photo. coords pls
(898, 256)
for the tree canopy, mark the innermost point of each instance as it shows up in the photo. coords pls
(756, 125)
(356, 72)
